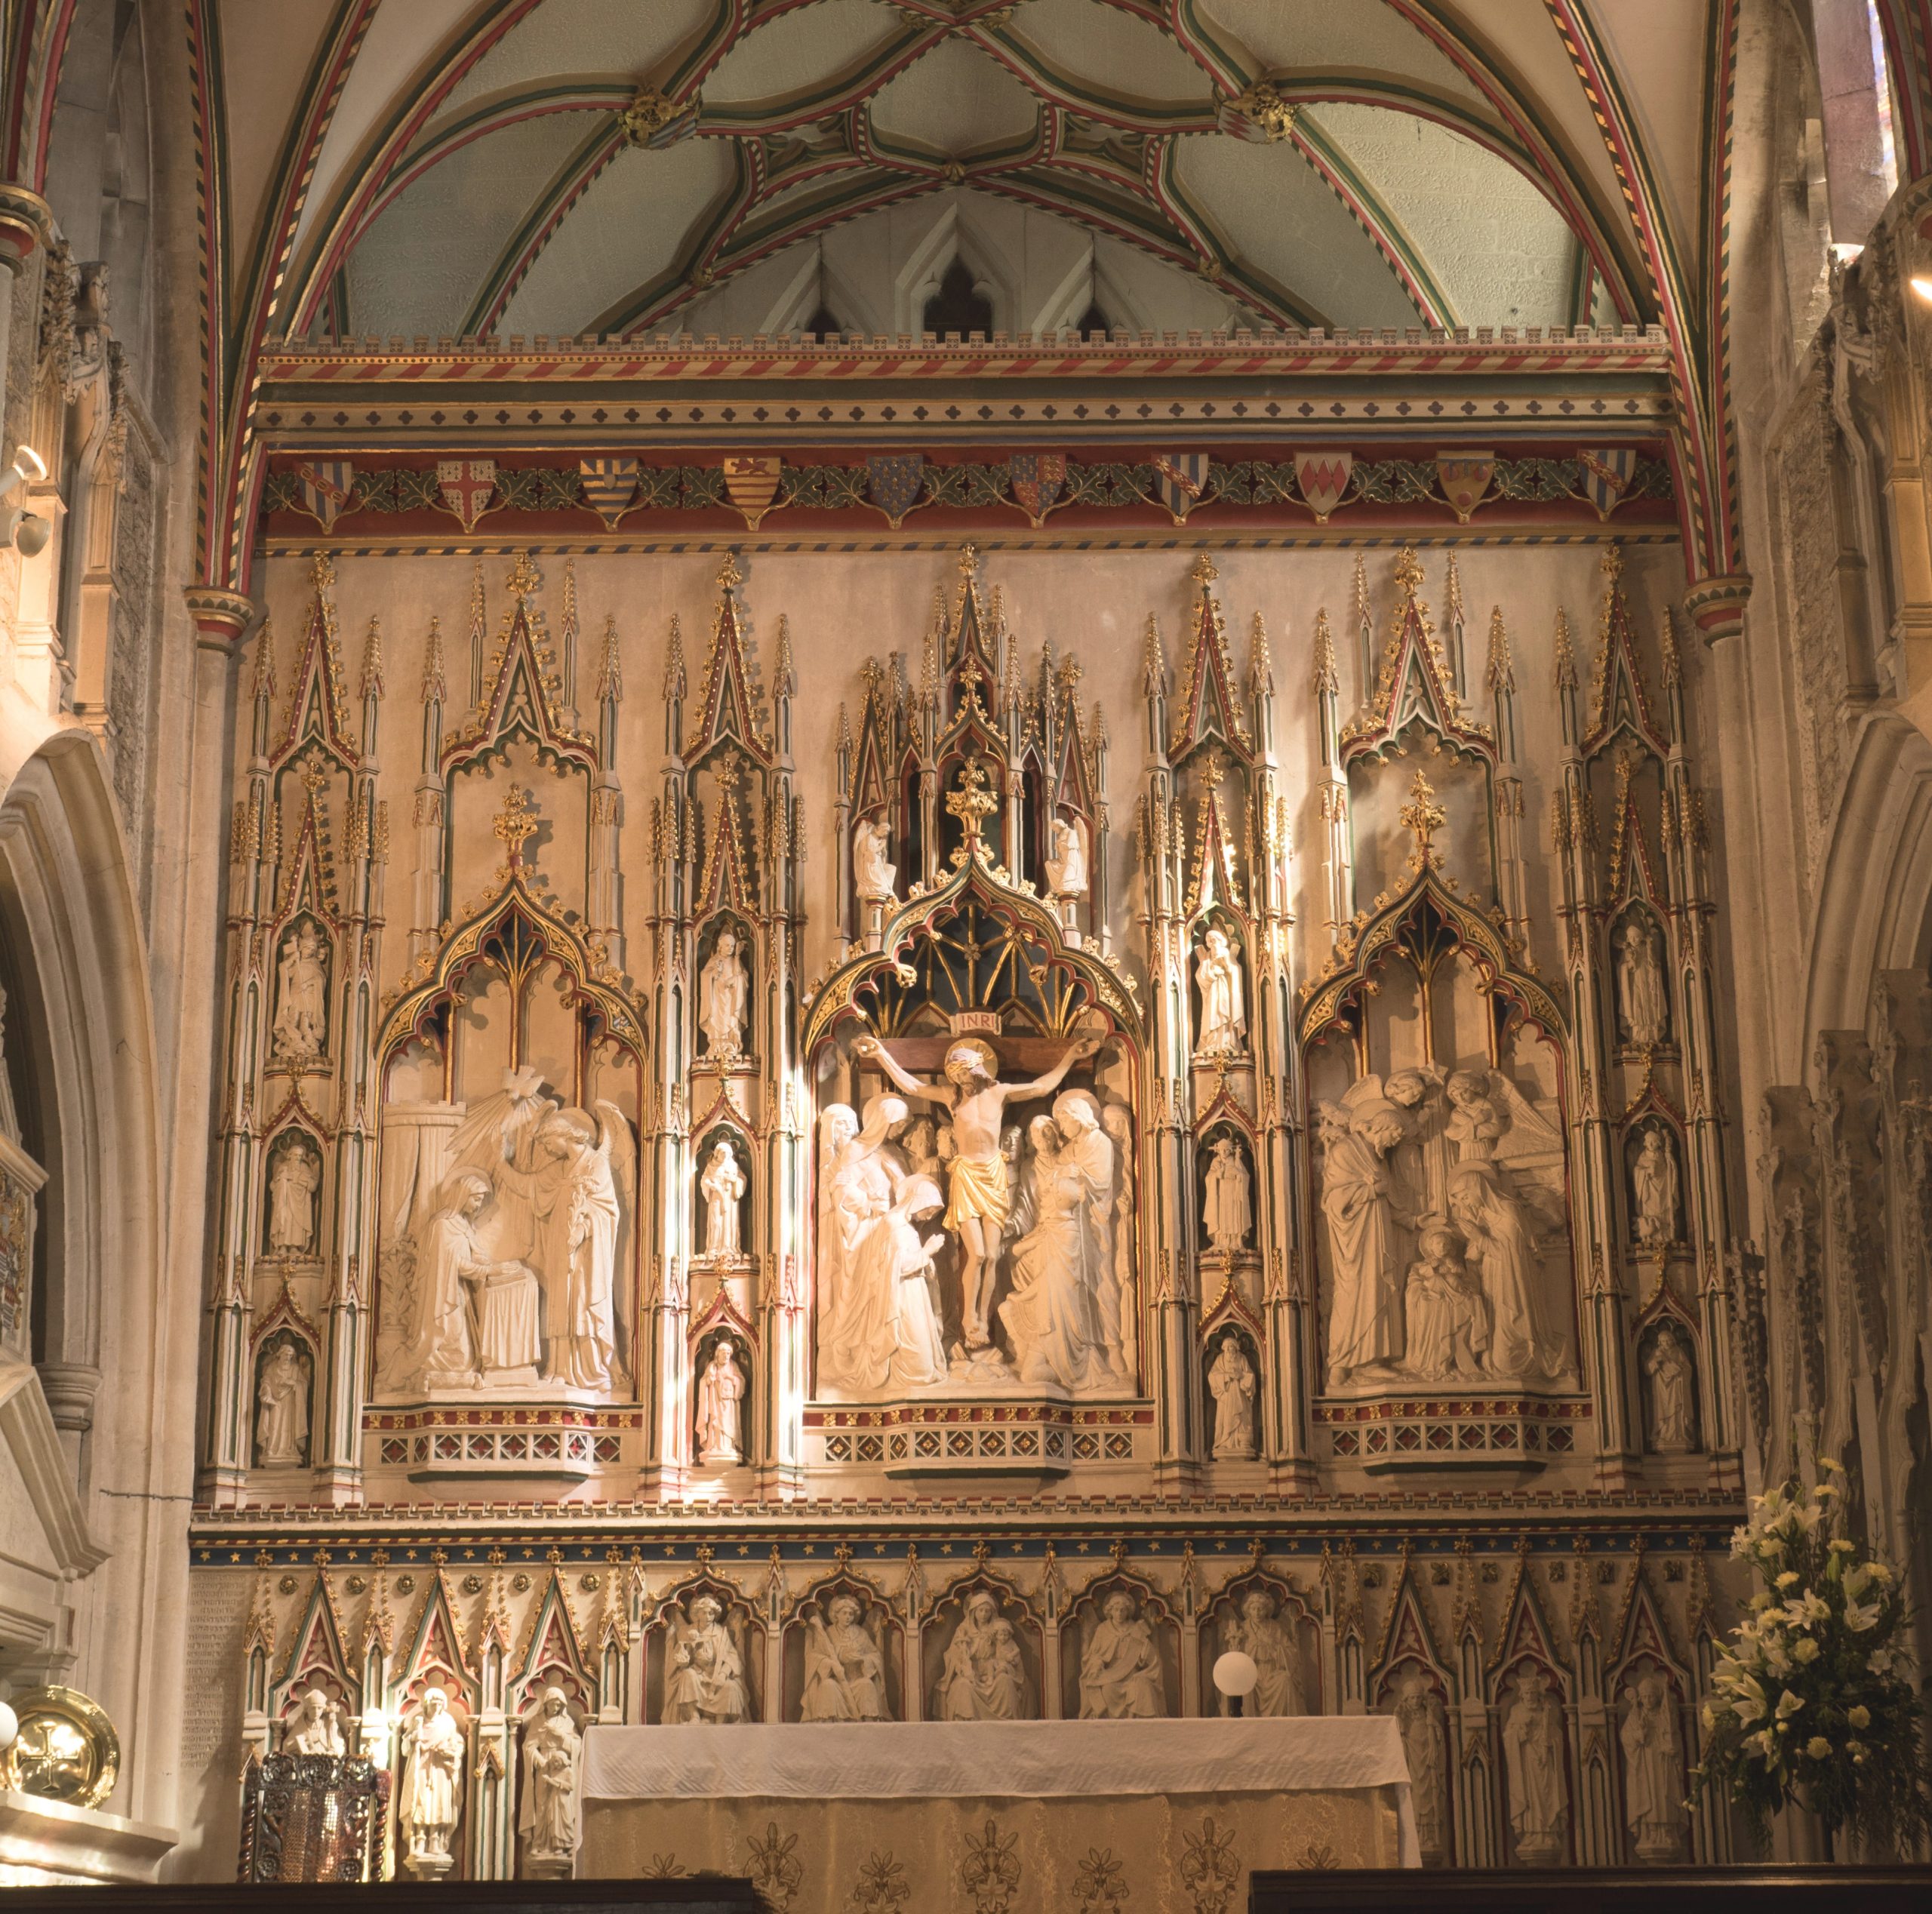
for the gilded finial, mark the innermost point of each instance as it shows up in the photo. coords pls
(969, 560)
(674, 660)
(1408, 572)
(524, 577)
(1453, 591)
(1261, 661)
(731, 574)
(610, 664)
(1153, 677)
(1424, 817)
(1202, 571)
(322, 572)
(436, 688)
(1362, 590)
(1566, 654)
(1325, 678)
(1502, 674)
(785, 677)
(372, 659)
(265, 660)
(972, 803)
(515, 825)
(1611, 565)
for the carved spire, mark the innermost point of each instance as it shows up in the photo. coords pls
(674, 660)
(1154, 675)
(265, 660)
(844, 740)
(1453, 592)
(610, 665)
(1325, 679)
(436, 687)
(1566, 653)
(479, 634)
(1261, 667)
(372, 659)
(1502, 673)
(785, 678)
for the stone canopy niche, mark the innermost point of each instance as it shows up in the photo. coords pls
(977, 1058)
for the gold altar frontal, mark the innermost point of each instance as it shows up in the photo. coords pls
(889, 1818)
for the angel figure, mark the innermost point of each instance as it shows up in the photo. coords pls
(573, 1197)
(1066, 863)
(844, 1666)
(706, 1681)
(870, 872)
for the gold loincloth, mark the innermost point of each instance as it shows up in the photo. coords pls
(978, 1190)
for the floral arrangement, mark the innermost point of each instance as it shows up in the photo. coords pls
(1814, 1702)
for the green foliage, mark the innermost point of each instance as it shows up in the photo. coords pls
(1813, 1702)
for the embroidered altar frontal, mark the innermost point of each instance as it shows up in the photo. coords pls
(991, 1816)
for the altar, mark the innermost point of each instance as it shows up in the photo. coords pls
(986, 1817)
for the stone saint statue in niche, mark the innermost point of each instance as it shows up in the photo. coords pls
(721, 1397)
(1653, 1772)
(981, 1197)
(1419, 1716)
(873, 873)
(1223, 1014)
(1673, 1411)
(432, 1796)
(1231, 1382)
(546, 1816)
(1532, 1762)
(706, 1681)
(844, 1666)
(723, 1185)
(1258, 1631)
(1653, 1184)
(295, 1175)
(1066, 863)
(1640, 986)
(983, 1678)
(314, 1728)
(281, 1410)
(1120, 1666)
(1229, 1216)
(301, 997)
(723, 991)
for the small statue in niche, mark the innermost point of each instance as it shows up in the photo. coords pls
(301, 1001)
(1533, 1761)
(724, 991)
(844, 1666)
(1640, 986)
(1418, 1713)
(314, 1728)
(1223, 1018)
(1259, 1632)
(1231, 1382)
(706, 1682)
(1230, 1215)
(546, 1817)
(721, 1396)
(723, 1185)
(281, 1407)
(427, 1809)
(1653, 1772)
(295, 1177)
(983, 1678)
(1066, 862)
(1448, 1333)
(1120, 1667)
(1673, 1411)
(873, 873)
(1653, 1183)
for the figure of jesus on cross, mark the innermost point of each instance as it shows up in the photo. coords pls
(980, 1200)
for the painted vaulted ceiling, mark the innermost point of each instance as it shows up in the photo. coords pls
(560, 166)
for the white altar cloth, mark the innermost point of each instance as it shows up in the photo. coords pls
(1051, 1801)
